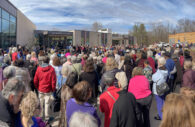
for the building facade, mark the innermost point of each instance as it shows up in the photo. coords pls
(15, 28)
(188, 37)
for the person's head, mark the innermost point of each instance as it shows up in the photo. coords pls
(146, 63)
(29, 106)
(56, 61)
(82, 91)
(108, 78)
(33, 54)
(167, 55)
(13, 92)
(149, 53)
(122, 79)
(89, 66)
(143, 55)
(137, 71)
(188, 92)
(111, 64)
(19, 63)
(9, 72)
(178, 111)
(46, 59)
(69, 58)
(74, 59)
(14, 49)
(66, 70)
(161, 62)
(187, 64)
(28, 57)
(81, 119)
(72, 80)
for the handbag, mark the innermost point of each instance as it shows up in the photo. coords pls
(162, 88)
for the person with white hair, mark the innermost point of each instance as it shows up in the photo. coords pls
(124, 113)
(81, 119)
(68, 60)
(14, 54)
(158, 78)
(76, 65)
(10, 99)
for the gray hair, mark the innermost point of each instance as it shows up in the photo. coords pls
(13, 86)
(149, 53)
(81, 119)
(108, 78)
(9, 72)
(66, 69)
(74, 59)
(7, 59)
(28, 57)
(161, 61)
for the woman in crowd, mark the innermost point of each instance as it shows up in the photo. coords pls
(81, 93)
(125, 111)
(112, 68)
(91, 77)
(28, 107)
(178, 111)
(129, 64)
(81, 119)
(76, 65)
(66, 94)
(34, 57)
(143, 58)
(151, 61)
(139, 86)
(158, 78)
(189, 75)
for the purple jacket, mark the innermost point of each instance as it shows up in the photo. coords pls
(189, 79)
(72, 107)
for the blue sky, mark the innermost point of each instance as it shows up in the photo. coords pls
(119, 15)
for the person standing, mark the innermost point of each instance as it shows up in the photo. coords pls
(45, 82)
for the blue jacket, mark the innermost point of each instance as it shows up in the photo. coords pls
(170, 64)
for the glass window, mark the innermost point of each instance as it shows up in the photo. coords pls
(12, 18)
(0, 12)
(12, 28)
(5, 26)
(5, 15)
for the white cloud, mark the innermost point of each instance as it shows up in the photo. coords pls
(117, 14)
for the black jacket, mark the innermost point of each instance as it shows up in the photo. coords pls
(6, 112)
(124, 111)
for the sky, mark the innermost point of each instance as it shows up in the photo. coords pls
(119, 15)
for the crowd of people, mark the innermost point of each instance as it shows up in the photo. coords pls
(118, 81)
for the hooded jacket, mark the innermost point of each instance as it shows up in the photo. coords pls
(159, 77)
(45, 79)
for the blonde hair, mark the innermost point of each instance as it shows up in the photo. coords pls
(137, 71)
(111, 64)
(188, 92)
(122, 79)
(29, 105)
(161, 61)
(33, 54)
(178, 111)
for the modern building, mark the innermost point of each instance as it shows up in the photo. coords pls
(15, 27)
(188, 37)
(53, 38)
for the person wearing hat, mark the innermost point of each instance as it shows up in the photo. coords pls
(124, 113)
(170, 64)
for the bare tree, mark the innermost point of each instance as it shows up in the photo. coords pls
(96, 26)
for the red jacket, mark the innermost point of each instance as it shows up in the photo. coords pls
(14, 56)
(107, 103)
(152, 64)
(45, 79)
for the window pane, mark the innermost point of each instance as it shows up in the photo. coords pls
(5, 15)
(12, 28)
(5, 26)
(0, 12)
(12, 18)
